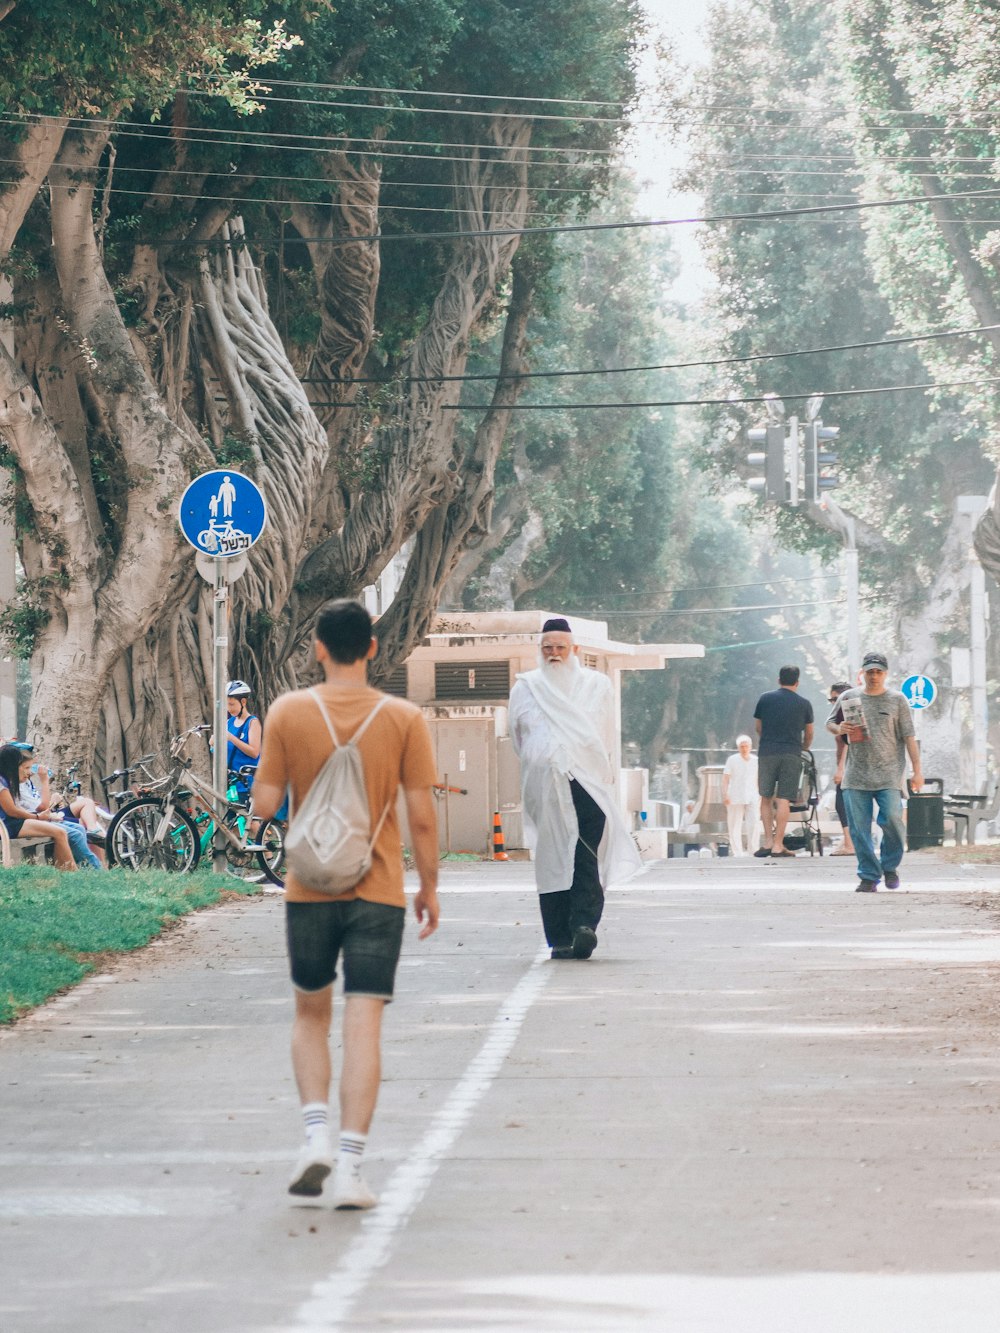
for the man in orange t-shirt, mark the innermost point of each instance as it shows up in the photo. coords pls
(364, 924)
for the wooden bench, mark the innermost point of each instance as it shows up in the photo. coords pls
(966, 811)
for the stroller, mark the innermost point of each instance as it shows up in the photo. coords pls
(805, 812)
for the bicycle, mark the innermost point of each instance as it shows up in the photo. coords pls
(128, 793)
(157, 829)
(271, 835)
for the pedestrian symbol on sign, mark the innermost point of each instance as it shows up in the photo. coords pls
(920, 691)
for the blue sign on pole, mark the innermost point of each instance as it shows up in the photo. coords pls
(920, 691)
(222, 513)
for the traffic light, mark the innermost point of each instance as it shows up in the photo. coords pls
(772, 459)
(820, 460)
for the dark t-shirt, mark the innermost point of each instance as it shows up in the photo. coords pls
(783, 718)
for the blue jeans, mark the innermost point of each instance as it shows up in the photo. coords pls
(79, 846)
(860, 808)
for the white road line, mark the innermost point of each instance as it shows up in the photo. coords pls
(332, 1298)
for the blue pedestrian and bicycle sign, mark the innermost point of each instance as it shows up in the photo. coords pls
(222, 513)
(920, 691)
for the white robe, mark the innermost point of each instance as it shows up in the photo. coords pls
(556, 737)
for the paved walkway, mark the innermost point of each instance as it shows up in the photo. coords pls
(766, 1103)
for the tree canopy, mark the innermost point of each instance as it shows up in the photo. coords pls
(282, 273)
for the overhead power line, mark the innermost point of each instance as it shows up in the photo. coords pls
(574, 101)
(902, 340)
(318, 143)
(433, 92)
(713, 402)
(659, 611)
(762, 117)
(764, 215)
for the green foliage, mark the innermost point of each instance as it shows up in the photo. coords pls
(604, 480)
(61, 57)
(796, 283)
(23, 618)
(238, 451)
(929, 74)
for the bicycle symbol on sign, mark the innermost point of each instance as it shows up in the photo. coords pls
(223, 539)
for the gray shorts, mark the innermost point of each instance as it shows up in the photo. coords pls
(367, 935)
(779, 775)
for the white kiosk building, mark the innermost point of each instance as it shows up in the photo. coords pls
(461, 676)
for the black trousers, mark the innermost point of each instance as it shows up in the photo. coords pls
(583, 902)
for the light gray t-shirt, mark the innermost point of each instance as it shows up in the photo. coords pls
(879, 762)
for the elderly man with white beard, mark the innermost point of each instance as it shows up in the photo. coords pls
(562, 728)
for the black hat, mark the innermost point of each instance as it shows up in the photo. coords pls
(875, 660)
(558, 624)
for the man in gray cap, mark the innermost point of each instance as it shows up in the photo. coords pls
(878, 726)
(562, 729)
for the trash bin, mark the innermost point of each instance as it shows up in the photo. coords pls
(925, 815)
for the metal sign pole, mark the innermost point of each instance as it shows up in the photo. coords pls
(221, 514)
(220, 638)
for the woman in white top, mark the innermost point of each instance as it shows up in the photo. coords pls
(739, 793)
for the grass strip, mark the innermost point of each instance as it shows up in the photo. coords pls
(55, 927)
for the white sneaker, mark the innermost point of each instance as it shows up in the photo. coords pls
(311, 1170)
(350, 1190)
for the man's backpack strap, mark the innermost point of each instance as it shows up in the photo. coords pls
(329, 725)
(353, 741)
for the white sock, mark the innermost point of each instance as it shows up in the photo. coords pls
(352, 1147)
(317, 1119)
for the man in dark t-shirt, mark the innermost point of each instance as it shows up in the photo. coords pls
(785, 728)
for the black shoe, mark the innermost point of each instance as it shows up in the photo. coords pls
(584, 942)
(763, 851)
(96, 836)
(866, 886)
(891, 879)
(567, 952)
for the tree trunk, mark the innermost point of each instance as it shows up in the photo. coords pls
(97, 601)
(448, 530)
(411, 456)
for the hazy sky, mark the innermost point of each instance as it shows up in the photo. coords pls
(656, 159)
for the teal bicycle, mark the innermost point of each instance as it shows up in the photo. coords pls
(175, 818)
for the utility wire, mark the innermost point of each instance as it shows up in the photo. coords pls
(433, 92)
(241, 136)
(657, 611)
(716, 587)
(236, 138)
(708, 402)
(905, 339)
(764, 215)
(629, 122)
(563, 101)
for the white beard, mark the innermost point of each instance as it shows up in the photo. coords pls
(563, 675)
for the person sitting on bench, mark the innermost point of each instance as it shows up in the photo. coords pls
(79, 816)
(15, 768)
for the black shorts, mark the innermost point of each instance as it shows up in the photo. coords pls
(14, 827)
(369, 934)
(779, 775)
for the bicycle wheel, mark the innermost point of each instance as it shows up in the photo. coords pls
(271, 835)
(132, 841)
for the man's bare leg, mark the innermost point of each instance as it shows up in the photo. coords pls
(359, 1085)
(767, 819)
(311, 1065)
(782, 809)
(362, 1071)
(311, 1044)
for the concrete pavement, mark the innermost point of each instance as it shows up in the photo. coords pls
(765, 1103)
